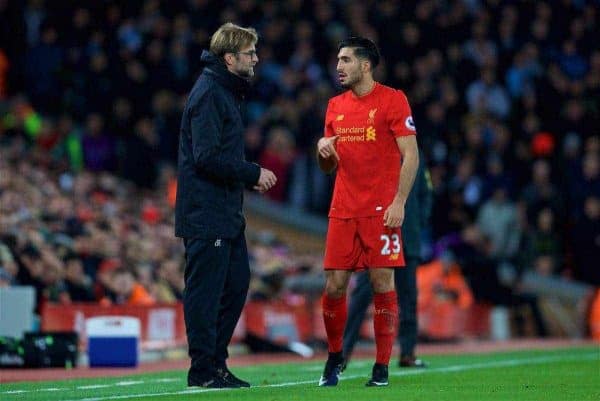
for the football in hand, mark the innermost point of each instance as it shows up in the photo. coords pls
(327, 165)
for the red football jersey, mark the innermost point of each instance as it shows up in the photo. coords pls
(369, 166)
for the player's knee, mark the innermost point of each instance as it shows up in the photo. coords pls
(335, 290)
(381, 286)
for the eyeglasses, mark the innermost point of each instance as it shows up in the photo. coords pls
(250, 53)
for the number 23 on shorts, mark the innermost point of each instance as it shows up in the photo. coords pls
(391, 244)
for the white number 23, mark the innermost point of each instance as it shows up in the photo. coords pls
(388, 240)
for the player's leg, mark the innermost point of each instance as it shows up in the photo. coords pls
(335, 311)
(335, 314)
(383, 254)
(359, 302)
(341, 255)
(385, 321)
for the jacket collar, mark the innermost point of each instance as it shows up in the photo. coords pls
(215, 67)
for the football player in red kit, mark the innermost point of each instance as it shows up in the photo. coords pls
(370, 139)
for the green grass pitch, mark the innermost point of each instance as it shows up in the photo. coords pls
(548, 375)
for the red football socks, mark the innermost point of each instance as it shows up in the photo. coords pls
(335, 314)
(385, 322)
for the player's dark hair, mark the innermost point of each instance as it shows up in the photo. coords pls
(363, 48)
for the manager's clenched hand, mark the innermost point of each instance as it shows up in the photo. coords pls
(266, 181)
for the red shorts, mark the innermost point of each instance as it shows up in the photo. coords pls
(361, 243)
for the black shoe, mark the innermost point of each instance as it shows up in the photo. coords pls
(410, 361)
(208, 380)
(225, 374)
(345, 363)
(379, 377)
(333, 367)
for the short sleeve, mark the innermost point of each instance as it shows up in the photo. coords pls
(400, 116)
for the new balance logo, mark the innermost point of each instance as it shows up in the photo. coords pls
(217, 243)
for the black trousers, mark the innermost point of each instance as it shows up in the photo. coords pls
(405, 280)
(217, 276)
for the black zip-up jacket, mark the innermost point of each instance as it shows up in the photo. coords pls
(212, 170)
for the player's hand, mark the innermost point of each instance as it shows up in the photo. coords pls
(266, 181)
(326, 147)
(394, 215)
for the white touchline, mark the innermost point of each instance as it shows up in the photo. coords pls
(453, 368)
(93, 386)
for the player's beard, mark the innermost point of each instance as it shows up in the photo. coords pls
(351, 79)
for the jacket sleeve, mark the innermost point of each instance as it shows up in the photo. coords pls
(425, 194)
(206, 129)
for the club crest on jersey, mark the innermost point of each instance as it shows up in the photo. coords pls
(371, 119)
(371, 134)
(339, 117)
(409, 123)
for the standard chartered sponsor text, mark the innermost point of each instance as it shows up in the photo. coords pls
(351, 130)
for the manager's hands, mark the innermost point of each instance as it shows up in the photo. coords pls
(266, 181)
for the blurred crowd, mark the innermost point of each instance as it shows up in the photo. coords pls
(94, 237)
(505, 97)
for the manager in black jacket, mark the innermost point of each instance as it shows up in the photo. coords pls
(416, 216)
(212, 175)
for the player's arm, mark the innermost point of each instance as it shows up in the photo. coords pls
(394, 214)
(327, 156)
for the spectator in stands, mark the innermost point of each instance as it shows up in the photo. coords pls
(498, 221)
(103, 283)
(542, 245)
(126, 290)
(170, 284)
(31, 270)
(586, 183)
(278, 156)
(145, 276)
(55, 289)
(443, 292)
(43, 64)
(79, 285)
(541, 190)
(139, 161)
(487, 96)
(8, 266)
(584, 240)
(98, 147)
(441, 280)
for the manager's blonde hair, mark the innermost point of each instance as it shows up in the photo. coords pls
(231, 38)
